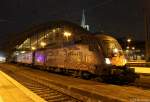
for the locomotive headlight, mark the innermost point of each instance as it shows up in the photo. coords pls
(115, 50)
(107, 61)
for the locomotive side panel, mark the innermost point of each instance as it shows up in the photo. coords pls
(55, 58)
(76, 57)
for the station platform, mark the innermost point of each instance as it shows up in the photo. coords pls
(86, 90)
(12, 91)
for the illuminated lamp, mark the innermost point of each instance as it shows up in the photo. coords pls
(43, 44)
(33, 48)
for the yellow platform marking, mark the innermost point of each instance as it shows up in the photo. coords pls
(1, 99)
(142, 70)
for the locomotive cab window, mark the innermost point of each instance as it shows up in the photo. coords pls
(93, 46)
(111, 48)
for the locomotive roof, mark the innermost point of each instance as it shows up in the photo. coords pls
(105, 36)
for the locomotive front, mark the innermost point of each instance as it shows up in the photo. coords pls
(115, 61)
(113, 52)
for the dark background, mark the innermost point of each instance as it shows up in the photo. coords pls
(120, 18)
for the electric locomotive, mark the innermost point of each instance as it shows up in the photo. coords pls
(87, 55)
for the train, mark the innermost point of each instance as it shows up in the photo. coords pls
(84, 55)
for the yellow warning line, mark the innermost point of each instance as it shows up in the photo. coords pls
(1, 99)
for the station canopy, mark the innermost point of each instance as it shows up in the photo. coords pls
(41, 34)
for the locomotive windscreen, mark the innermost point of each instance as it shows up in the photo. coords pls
(111, 47)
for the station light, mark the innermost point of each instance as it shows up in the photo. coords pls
(33, 48)
(43, 44)
(107, 61)
(67, 34)
(127, 51)
(133, 48)
(128, 47)
(22, 51)
(54, 30)
(129, 40)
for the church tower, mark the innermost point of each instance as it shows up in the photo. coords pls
(83, 24)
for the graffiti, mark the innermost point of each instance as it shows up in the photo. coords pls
(74, 53)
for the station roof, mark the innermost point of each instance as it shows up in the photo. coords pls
(18, 38)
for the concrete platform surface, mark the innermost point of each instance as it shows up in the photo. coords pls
(12, 91)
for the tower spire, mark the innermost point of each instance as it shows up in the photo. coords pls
(83, 24)
(83, 19)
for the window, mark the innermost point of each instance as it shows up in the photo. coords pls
(109, 46)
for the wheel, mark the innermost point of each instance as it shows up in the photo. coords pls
(86, 75)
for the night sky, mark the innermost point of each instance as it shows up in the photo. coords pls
(118, 17)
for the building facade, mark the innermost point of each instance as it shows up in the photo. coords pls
(133, 50)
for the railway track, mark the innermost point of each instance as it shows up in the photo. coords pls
(41, 87)
(142, 83)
